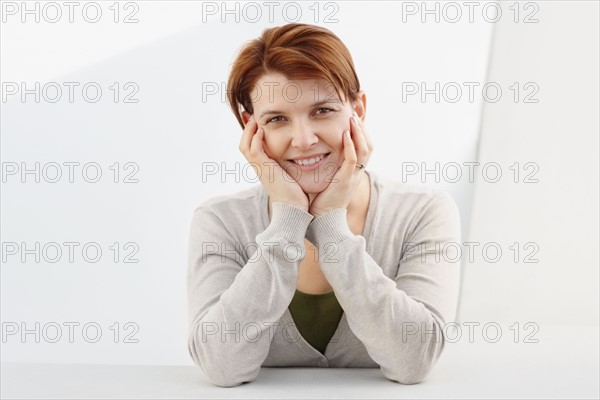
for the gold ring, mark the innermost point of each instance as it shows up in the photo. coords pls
(361, 166)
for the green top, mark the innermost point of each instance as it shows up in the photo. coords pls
(316, 316)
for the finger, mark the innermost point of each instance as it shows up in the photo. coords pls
(362, 150)
(257, 156)
(365, 133)
(349, 154)
(256, 145)
(247, 135)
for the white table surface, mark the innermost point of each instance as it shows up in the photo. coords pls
(564, 364)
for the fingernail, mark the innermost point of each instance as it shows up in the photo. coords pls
(251, 118)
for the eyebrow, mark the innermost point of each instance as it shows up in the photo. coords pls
(318, 103)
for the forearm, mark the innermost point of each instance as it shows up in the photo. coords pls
(401, 333)
(230, 335)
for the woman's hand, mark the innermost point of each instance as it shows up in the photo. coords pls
(278, 184)
(357, 150)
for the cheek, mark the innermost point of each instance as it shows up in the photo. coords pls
(333, 132)
(275, 146)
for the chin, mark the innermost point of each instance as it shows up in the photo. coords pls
(308, 185)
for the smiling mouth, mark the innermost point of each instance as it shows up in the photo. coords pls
(309, 162)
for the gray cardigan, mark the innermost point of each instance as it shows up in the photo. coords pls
(397, 283)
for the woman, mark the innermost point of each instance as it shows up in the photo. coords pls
(322, 264)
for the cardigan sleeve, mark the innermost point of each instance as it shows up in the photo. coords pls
(232, 305)
(400, 321)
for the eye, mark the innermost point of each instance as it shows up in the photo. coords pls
(274, 119)
(271, 120)
(328, 109)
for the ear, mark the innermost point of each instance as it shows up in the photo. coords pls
(246, 117)
(360, 105)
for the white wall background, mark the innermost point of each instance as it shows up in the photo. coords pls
(560, 213)
(172, 132)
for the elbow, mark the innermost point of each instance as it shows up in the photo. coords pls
(416, 366)
(214, 367)
(220, 378)
(223, 380)
(408, 374)
(404, 377)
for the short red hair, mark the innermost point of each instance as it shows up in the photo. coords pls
(297, 51)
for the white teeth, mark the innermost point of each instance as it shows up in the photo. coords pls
(310, 161)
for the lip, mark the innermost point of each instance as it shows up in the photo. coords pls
(313, 166)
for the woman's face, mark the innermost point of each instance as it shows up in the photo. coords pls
(303, 118)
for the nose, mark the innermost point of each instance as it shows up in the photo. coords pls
(303, 136)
